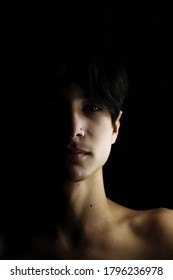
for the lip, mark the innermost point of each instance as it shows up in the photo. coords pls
(76, 154)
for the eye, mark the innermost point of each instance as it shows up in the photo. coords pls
(92, 108)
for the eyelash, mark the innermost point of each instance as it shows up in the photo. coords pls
(90, 108)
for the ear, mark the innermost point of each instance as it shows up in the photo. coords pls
(116, 127)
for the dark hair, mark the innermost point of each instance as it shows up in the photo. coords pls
(80, 58)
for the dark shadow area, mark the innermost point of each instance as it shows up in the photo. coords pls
(139, 173)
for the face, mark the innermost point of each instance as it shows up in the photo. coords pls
(86, 133)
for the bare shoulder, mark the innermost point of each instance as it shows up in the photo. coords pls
(160, 218)
(162, 221)
(147, 234)
(156, 227)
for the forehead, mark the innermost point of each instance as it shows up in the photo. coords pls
(73, 91)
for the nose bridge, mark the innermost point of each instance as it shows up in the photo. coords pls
(77, 123)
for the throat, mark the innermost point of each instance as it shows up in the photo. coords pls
(84, 201)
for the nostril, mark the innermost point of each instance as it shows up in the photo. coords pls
(79, 133)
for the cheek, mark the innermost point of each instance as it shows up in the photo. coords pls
(103, 143)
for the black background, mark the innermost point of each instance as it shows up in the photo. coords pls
(139, 173)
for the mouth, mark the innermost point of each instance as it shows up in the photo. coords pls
(76, 154)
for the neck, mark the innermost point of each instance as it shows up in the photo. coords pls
(84, 204)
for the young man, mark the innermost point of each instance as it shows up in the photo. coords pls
(77, 125)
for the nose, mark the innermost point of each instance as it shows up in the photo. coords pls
(79, 133)
(77, 126)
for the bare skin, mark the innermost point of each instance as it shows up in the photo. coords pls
(121, 233)
(93, 226)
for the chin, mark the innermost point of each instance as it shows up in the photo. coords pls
(76, 175)
(75, 178)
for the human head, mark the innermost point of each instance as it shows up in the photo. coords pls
(59, 61)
